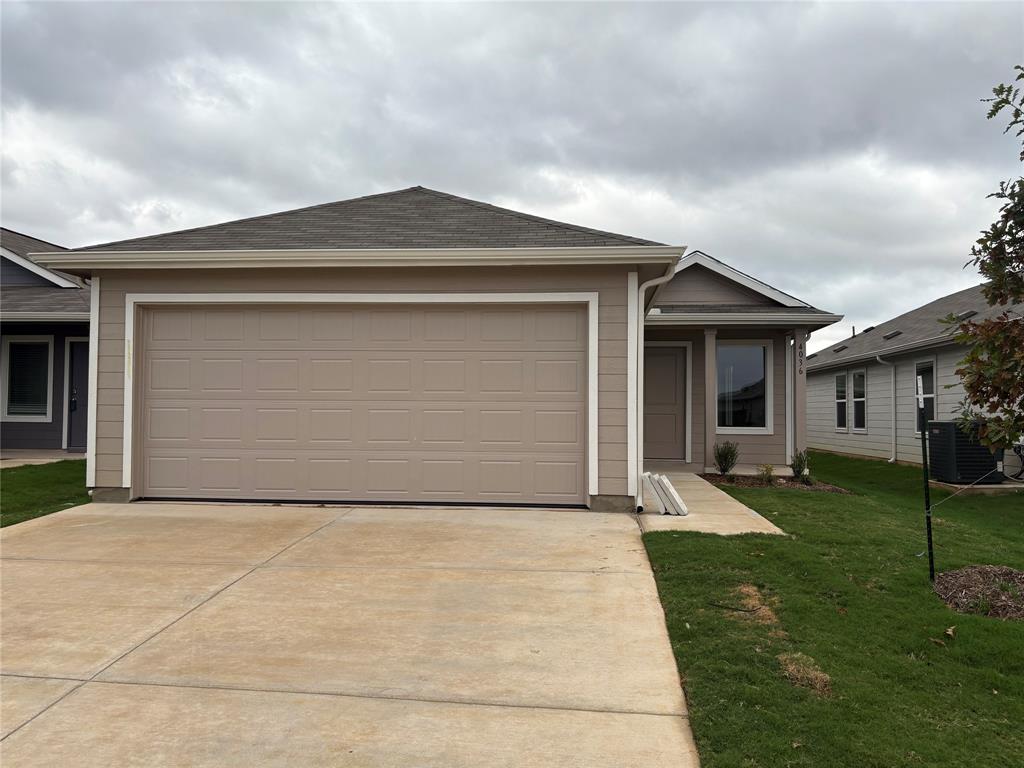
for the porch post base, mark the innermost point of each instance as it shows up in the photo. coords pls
(111, 495)
(609, 503)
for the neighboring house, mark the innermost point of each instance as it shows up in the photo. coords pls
(415, 346)
(861, 396)
(44, 350)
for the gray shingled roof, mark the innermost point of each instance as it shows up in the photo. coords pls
(23, 245)
(39, 299)
(915, 329)
(408, 218)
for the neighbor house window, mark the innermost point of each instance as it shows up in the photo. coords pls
(744, 386)
(925, 385)
(27, 376)
(860, 403)
(841, 401)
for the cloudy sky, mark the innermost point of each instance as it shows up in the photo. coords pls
(837, 151)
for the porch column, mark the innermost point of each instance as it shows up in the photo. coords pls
(799, 403)
(710, 395)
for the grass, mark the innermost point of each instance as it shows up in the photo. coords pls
(850, 591)
(34, 491)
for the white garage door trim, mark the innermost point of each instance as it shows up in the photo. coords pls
(590, 298)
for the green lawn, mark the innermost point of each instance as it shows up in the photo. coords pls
(34, 491)
(850, 589)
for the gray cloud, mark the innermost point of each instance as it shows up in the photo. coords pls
(838, 151)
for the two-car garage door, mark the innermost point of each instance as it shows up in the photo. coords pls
(404, 403)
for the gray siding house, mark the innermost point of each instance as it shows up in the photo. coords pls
(861, 391)
(44, 350)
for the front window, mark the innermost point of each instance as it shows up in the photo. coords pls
(27, 372)
(860, 403)
(925, 386)
(841, 401)
(743, 386)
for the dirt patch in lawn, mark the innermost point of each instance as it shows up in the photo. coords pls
(989, 590)
(754, 605)
(752, 481)
(803, 672)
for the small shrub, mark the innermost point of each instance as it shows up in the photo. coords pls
(767, 474)
(800, 466)
(726, 456)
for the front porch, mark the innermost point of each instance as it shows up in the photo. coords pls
(706, 385)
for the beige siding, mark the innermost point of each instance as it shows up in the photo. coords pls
(876, 441)
(698, 285)
(754, 449)
(610, 282)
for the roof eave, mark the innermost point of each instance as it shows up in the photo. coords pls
(83, 262)
(811, 321)
(49, 317)
(935, 341)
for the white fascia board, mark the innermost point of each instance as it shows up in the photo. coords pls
(703, 260)
(765, 319)
(361, 257)
(36, 269)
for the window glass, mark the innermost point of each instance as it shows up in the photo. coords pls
(28, 382)
(859, 402)
(741, 385)
(858, 386)
(926, 372)
(841, 401)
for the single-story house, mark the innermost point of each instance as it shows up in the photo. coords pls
(862, 391)
(44, 350)
(419, 347)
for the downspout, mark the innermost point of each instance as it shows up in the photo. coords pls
(892, 428)
(639, 394)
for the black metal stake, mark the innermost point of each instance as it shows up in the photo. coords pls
(927, 488)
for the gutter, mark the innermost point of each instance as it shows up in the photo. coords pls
(49, 317)
(892, 430)
(639, 404)
(84, 261)
(742, 318)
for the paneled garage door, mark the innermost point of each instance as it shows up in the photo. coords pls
(435, 403)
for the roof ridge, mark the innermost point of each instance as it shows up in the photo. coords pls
(33, 237)
(249, 218)
(532, 217)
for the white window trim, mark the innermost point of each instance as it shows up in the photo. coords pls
(853, 401)
(687, 347)
(845, 401)
(133, 300)
(932, 360)
(67, 381)
(769, 389)
(5, 371)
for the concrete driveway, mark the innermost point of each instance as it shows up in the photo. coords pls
(195, 635)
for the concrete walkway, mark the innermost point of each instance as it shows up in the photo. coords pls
(711, 509)
(211, 635)
(21, 457)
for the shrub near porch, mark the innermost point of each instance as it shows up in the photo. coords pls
(847, 596)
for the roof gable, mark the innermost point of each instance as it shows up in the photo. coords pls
(410, 218)
(774, 296)
(700, 287)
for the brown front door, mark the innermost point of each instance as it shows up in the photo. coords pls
(664, 402)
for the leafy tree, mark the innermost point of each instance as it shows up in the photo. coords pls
(993, 371)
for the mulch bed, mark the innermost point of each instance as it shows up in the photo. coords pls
(752, 481)
(989, 590)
